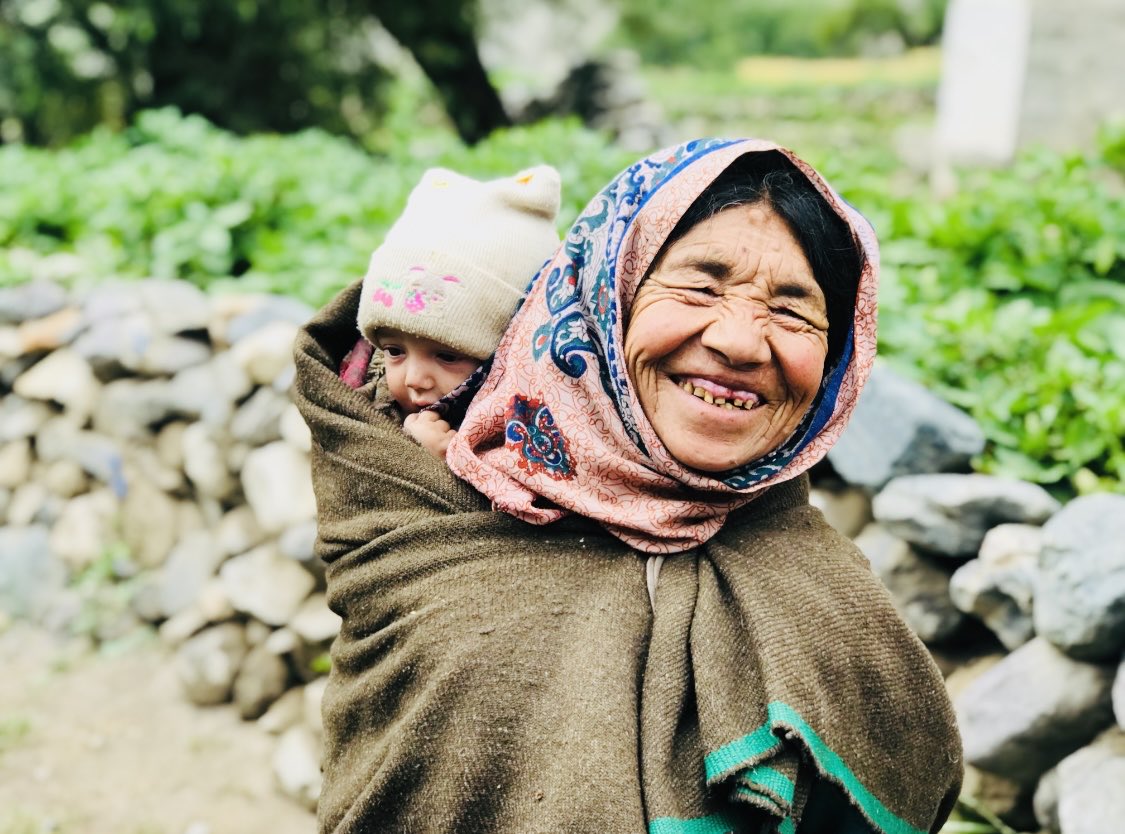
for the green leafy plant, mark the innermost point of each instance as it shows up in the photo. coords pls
(174, 196)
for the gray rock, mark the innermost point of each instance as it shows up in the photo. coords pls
(258, 420)
(999, 585)
(267, 352)
(32, 300)
(210, 607)
(50, 332)
(31, 503)
(63, 377)
(919, 587)
(29, 574)
(949, 514)
(169, 306)
(900, 428)
(167, 355)
(277, 482)
(142, 463)
(283, 713)
(191, 563)
(11, 369)
(15, 463)
(129, 408)
(298, 541)
(1046, 802)
(21, 418)
(209, 392)
(97, 454)
(114, 346)
(1034, 707)
(205, 462)
(1080, 606)
(315, 623)
(149, 525)
(847, 510)
(84, 529)
(238, 531)
(170, 444)
(1091, 799)
(314, 701)
(258, 312)
(208, 663)
(265, 585)
(65, 478)
(294, 430)
(296, 764)
(261, 681)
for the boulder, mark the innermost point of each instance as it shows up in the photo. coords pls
(1036, 706)
(998, 587)
(1080, 606)
(950, 514)
(900, 428)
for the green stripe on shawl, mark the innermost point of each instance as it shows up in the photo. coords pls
(742, 751)
(738, 753)
(711, 824)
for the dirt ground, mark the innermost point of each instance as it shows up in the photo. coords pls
(97, 744)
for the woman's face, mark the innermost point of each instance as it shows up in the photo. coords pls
(726, 339)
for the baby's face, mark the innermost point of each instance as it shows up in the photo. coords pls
(421, 371)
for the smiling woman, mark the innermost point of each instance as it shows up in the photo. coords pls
(623, 615)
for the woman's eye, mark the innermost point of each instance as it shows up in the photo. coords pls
(789, 314)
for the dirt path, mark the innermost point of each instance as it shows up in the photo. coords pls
(107, 745)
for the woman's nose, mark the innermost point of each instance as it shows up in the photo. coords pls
(738, 333)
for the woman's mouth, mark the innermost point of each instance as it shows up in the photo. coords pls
(717, 395)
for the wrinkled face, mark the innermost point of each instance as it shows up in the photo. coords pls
(421, 371)
(726, 340)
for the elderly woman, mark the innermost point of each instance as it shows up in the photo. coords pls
(619, 612)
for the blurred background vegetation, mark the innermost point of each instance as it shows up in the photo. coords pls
(253, 145)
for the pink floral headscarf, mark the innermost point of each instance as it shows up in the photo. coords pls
(556, 426)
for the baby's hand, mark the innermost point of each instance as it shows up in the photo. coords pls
(429, 430)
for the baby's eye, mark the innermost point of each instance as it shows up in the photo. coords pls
(393, 351)
(451, 358)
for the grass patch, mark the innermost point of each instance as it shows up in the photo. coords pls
(13, 730)
(914, 68)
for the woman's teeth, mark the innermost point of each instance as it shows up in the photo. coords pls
(722, 402)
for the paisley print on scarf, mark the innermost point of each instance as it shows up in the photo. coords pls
(531, 430)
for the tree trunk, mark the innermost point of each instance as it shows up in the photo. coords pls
(439, 33)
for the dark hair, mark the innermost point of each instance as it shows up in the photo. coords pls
(825, 238)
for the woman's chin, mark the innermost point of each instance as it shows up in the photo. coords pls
(707, 437)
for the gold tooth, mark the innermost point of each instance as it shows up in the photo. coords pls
(720, 400)
(707, 398)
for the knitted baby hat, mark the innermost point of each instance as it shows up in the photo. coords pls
(455, 265)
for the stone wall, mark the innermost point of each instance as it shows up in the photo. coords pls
(154, 477)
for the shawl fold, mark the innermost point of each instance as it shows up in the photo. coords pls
(494, 676)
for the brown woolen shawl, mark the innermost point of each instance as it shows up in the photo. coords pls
(493, 676)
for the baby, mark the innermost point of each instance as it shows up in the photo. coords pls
(451, 271)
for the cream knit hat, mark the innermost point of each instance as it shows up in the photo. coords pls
(455, 265)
